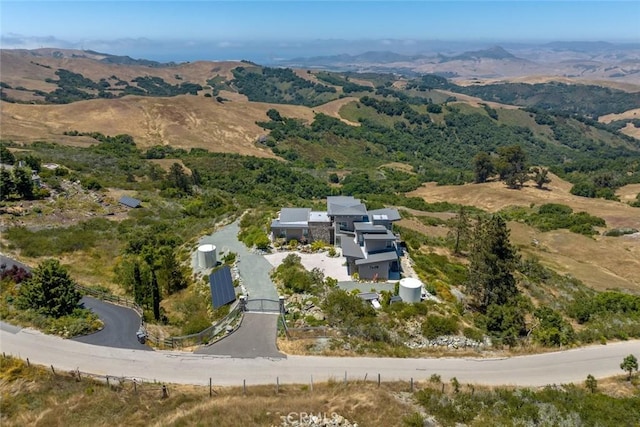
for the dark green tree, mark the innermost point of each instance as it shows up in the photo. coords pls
(629, 364)
(138, 285)
(178, 179)
(6, 156)
(23, 183)
(540, 176)
(7, 185)
(460, 231)
(33, 162)
(274, 115)
(155, 292)
(506, 322)
(493, 261)
(483, 167)
(511, 165)
(196, 179)
(50, 290)
(171, 273)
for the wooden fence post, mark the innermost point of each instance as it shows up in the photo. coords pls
(311, 382)
(411, 388)
(210, 389)
(277, 385)
(345, 377)
(244, 387)
(378, 379)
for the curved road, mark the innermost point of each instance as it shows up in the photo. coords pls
(187, 368)
(120, 326)
(120, 323)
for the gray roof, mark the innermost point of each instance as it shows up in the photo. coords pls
(345, 205)
(379, 257)
(386, 236)
(293, 215)
(386, 214)
(351, 249)
(369, 227)
(130, 202)
(368, 296)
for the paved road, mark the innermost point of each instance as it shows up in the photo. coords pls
(187, 368)
(120, 323)
(256, 337)
(120, 326)
(8, 263)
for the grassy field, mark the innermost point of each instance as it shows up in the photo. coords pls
(182, 122)
(600, 262)
(35, 396)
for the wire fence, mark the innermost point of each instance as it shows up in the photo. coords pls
(160, 389)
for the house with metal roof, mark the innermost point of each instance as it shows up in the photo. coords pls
(366, 237)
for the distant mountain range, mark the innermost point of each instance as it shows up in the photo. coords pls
(585, 60)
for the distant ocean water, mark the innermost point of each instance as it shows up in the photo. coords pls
(206, 55)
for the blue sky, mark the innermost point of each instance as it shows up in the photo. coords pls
(122, 25)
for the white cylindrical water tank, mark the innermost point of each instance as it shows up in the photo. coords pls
(410, 289)
(206, 256)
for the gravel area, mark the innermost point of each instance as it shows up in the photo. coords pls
(331, 267)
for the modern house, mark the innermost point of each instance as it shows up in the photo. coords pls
(366, 237)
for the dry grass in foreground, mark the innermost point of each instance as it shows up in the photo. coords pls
(35, 396)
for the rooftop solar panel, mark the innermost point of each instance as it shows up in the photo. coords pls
(130, 202)
(221, 285)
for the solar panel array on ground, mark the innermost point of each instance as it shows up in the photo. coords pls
(221, 285)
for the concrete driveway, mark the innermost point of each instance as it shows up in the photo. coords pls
(254, 268)
(256, 337)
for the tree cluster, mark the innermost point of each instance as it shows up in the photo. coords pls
(49, 290)
(511, 166)
(149, 267)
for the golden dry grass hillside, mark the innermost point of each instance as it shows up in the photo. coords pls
(601, 262)
(182, 121)
(629, 129)
(30, 68)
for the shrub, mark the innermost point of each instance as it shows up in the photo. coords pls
(473, 334)
(617, 232)
(435, 326)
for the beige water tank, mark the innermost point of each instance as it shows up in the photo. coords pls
(410, 290)
(206, 256)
